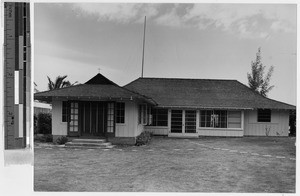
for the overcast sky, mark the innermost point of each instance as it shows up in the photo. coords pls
(215, 41)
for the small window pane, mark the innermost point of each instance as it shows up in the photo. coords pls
(120, 112)
(263, 115)
(159, 117)
(65, 111)
(213, 118)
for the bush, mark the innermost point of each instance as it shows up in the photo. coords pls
(45, 138)
(44, 123)
(61, 140)
(35, 124)
(143, 138)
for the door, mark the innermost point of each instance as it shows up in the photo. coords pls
(183, 121)
(93, 118)
(73, 122)
(190, 121)
(176, 121)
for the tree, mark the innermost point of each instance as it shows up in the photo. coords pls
(59, 82)
(256, 79)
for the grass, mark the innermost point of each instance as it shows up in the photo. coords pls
(171, 165)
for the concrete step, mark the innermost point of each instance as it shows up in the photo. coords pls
(87, 144)
(88, 140)
(90, 147)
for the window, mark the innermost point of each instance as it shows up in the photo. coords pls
(110, 117)
(143, 115)
(73, 117)
(65, 111)
(263, 115)
(120, 112)
(159, 117)
(213, 118)
(234, 119)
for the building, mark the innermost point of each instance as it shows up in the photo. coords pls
(164, 106)
(40, 107)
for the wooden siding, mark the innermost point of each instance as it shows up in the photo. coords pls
(130, 127)
(279, 125)
(58, 127)
(157, 130)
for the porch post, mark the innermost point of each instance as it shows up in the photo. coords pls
(169, 120)
(242, 121)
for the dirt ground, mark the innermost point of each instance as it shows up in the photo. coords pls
(249, 164)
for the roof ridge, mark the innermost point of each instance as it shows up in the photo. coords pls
(182, 79)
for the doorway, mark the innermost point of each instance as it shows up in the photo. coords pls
(92, 118)
(183, 121)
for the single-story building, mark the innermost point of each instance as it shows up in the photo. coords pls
(165, 106)
(40, 107)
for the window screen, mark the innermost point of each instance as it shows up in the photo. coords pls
(120, 112)
(263, 115)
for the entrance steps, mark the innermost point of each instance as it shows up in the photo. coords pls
(89, 143)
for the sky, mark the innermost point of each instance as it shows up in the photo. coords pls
(204, 41)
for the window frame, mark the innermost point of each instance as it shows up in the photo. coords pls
(142, 114)
(155, 113)
(120, 112)
(65, 111)
(264, 116)
(110, 126)
(214, 119)
(232, 116)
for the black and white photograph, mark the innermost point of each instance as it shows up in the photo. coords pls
(158, 97)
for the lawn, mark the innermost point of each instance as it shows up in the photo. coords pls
(249, 164)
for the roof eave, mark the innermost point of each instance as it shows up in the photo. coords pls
(49, 99)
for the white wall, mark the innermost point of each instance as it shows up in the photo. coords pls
(139, 127)
(58, 127)
(279, 125)
(130, 128)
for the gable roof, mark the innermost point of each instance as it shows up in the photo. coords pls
(203, 93)
(100, 79)
(97, 88)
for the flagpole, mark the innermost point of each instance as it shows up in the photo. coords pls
(143, 48)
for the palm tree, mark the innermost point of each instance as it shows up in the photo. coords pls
(59, 82)
(35, 88)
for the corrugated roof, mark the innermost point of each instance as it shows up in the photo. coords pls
(98, 88)
(203, 93)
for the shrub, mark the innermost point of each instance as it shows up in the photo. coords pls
(35, 124)
(143, 138)
(61, 140)
(44, 124)
(45, 138)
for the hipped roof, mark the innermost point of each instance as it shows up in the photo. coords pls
(97, 88)
(203, 93)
